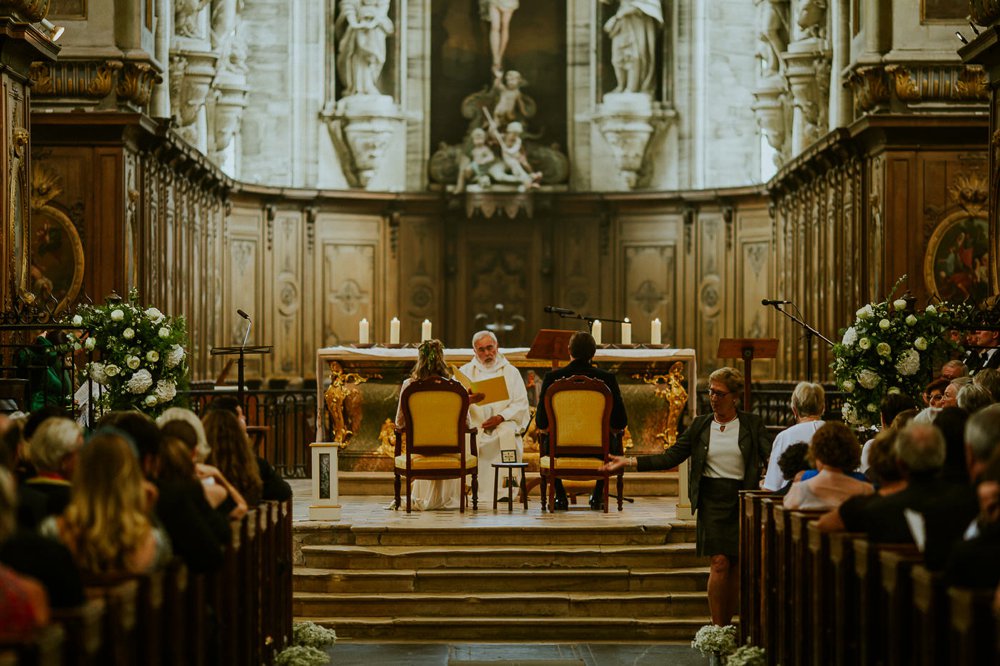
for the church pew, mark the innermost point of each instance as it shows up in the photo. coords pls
(872, 624)
(268, 554)
(175, 636)
(120, 597)
(930, 616)
(84, 627)
(799, 587)
(149, 612)
(769, 576)
(782, 587)
(750, 564)
(845, 602)
(821, 598)
(250, 566)
(896, 602)
(971, 633)
(284, 562)
(44, 649)
(201, 630)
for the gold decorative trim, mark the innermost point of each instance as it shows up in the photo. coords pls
(984, 12)
(969, 191)
(27, 10)
(135, 82)
(74, 78)
(870, 87)
(911, 84)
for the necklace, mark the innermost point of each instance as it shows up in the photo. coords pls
(723, 424)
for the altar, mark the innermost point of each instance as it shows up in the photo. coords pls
(358, 391)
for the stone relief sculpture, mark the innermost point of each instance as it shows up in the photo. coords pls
(807, 70)
(363, 26)
(772, 99)
(633, 31)
(773, 35)
(498, 13)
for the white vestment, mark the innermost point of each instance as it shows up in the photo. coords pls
(507, 435)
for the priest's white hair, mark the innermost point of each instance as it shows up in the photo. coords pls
(482, 334)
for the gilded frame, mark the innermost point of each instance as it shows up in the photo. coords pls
(956, 261)
(56, 245)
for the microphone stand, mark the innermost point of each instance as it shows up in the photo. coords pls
(810, 332)
(239, 365)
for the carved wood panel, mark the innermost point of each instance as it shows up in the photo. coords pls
(652, 268)
(712, 280)
(284, 297)
(420, 279)
(244, 270)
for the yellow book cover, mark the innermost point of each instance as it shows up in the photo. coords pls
(495, 388)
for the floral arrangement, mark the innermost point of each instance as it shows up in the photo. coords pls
(141, 356)
(713, 639)
(890, 348)
(308, 639)
(747, 655)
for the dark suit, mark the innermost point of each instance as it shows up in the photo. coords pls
(987, 358)
(619, 417)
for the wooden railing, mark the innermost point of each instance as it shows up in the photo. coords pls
(810, 597)
(241, 614)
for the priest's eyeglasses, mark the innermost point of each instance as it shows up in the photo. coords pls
(718, 394)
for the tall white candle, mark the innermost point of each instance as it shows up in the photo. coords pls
(363, 332)
(394, 331)
(655, 336)
(595, 330)
(425, 330)
(626, 332)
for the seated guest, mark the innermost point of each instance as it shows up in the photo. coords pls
(946, 508)
(582, 348)
(197, 532)
(273, 487)
(106, 525)
(883, 472)
(833, 451)
(215, 486)
(24, 606)
(934, 391)
(950, 396)
(200, 446)
(808, 405)
(232, 455)
(32, 504)
(989, 379)
(793, 461)
(890, 407)
(52, 451)
(954, 369)
(988, 357)
(976, 562)
(951, 422)
(972, 398)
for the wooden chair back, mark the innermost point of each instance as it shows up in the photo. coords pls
(579, 411)
(436, 412)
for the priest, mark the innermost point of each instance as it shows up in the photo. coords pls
(501, 416)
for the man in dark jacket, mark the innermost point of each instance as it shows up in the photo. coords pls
(582, 348)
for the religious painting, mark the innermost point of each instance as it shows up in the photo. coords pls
(956, 265)
(943, 10)
(56, 266)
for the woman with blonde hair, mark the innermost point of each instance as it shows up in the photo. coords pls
(232, 454)
(106, 525)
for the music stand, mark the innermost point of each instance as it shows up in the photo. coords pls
(552, 345)
(240, 352)
(748, 349)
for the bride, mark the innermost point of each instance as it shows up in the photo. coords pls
(430, 494)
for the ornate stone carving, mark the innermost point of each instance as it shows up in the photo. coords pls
(87, 79)
(186, 17)
(135, 82)
(362, 28)
(870, 87)
(773, 35)
(361, 128)
(191, 75)
(911, 84)
(807, 68)
(984, 12)
(627, 121)
(633, 31)
(29, 11)
(773, 111)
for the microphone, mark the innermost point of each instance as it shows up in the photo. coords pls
(249, 326)
(561, 311)
(770, 301)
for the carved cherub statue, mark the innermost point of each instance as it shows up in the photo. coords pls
(343, 400)
(475, 166)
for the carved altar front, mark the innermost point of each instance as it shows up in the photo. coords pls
(359, 391)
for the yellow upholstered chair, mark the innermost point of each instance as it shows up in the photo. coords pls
(435, 411)
(579, 411)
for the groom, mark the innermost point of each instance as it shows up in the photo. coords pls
(501, 422)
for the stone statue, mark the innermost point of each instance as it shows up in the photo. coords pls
(516, 168)
(773, 35)
(510, 104)
(363, 26)
(498, 13)
(812, 18)
(475, 166)
(633, 31)
(343, 400)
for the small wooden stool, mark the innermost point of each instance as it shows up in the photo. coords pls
(510, 467)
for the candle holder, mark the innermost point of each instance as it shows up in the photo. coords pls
(621, 346)
(365, 345)
(650, 345)
(393, 345)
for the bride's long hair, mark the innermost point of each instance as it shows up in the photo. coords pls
(430, 361)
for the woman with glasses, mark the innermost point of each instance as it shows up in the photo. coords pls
(728, 450)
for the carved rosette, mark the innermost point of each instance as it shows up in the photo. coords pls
(627, 121)
(807, 69)
(361, 128)
(773, 112)
(191, 74)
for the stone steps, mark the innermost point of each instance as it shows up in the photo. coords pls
(475, 581)
(539, 605)
(671, 555)
(517, 629)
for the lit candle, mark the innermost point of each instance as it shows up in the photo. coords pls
(595, 330)
(363, 332)
(394, 331)
(626, 332)
(425, 330)
(654, 332)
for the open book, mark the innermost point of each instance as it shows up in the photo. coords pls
(495, 388)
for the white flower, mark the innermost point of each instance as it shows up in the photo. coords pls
(847, 385)
(920, 344)
(140, 381)
(150, 400)
(908, 363)
(850, 337)
(152, 356)
(112, 370)
(117, 315)
(128, 334)
(872, 407)
(133, 362)
(77, 320)
(910, 320)
(899, 304)
(175, 356)
(164, 332)
(154, 315)
(714, 639)
(884, 324)
(864, 343)
(865, 312)
(850, 415)
(90, 343)
(868, 379)
(930, 309)
(883, 349)
(895, 391)
(165, 390)
(97, 373)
